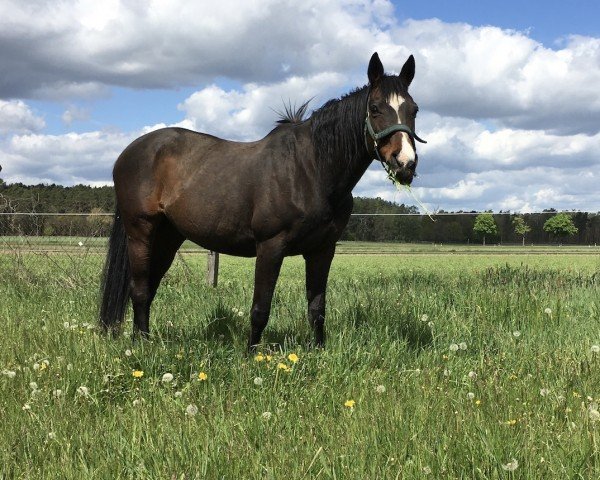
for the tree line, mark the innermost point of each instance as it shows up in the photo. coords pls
(461, 227)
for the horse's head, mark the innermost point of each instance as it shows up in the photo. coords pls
(390, 122)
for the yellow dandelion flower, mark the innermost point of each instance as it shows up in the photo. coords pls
(268, 358)
(138, 373)
(511, 422)
(477, 402)
(292, 357)
(259, 358)
(283, 366)
(349, 403)
(202, 376)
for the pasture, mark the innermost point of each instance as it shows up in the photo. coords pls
(441, 362)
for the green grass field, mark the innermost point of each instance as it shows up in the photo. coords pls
(441, 362)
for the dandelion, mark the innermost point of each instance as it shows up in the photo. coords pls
(511, 466)
(349, 403)
(83, 391)
(548, 311)
(202, 376)
(472, 375)
(138, 402)
(454, 347)
(178, 394)
(51, 435)
(36, 366)
(268, 358)
(462, 345)
(292, 357)
(128, 353)
(426, 471)
(67, 325)
(477, 402)
(516, 334)
(57, 393)
(266, 415)
(259, 358)
(470, 395)
(240, 314)
(424, 318)
(593, 413)
(595, 348)
(9, 373)
(258, 381)
(26, 407)
(380, 389)
(167, 378)
(137, 373)
(191, 410)
(284, 367)
(544, 392)
(33, 385)
(510, 422)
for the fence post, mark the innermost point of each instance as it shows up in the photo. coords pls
(212, 268)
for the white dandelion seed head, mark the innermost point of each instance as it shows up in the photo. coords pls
(69, 366)
(33, 385)
(454, 347)
(26, 407)
(258, 381)
(51, 435)
(472, 375)
(446, 372)
(593, 413)
(191, 410)
(595, 348)
(430, 324)
(380, 388)
(544, 392)
(266, 415)
(138, 402)
(424, 318)
(511, 466)
(516, 334)
(178, 394)
(548, 311)
(426, 471)
(128, 353)
(9, 373)
(470, 395)
(167, 378)
(36, 366)
(67, 325)
(462, 345)
(83, 391)
(240, 313)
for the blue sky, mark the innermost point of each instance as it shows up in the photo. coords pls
(508, 91)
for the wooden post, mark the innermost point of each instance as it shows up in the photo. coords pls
(212, 270)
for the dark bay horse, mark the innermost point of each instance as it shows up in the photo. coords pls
(287, 194)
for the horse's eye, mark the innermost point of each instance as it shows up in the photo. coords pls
(374, 108)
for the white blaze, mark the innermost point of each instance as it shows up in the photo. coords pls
(408, 152)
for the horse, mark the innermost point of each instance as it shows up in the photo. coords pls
(287, 194)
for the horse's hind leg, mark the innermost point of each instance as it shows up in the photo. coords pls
(151, 252)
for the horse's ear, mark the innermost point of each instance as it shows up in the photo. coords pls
(408, 72)
(375, 70)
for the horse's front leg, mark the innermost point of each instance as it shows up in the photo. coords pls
(269, 257)
(317, 272)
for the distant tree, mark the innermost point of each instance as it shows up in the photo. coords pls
(521, 228)
(560, 225)
(485, 225)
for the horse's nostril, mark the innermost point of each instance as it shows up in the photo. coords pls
(411, 165)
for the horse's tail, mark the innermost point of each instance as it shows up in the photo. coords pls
(115, 277)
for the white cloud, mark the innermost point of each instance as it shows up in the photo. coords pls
(17, 117)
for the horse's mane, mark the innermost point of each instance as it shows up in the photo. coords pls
(292, 114)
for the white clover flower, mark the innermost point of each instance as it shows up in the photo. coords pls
(453, 347)
(167, 378)
(191, 410)
(548, 311)
(595, 348)
(462, 345)
(470, 395)
(472, 375)
(258, 381)
(544, 392)
(83, 391)
(9, 373)
(511, 466)
(380, 388)
(266, 415)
